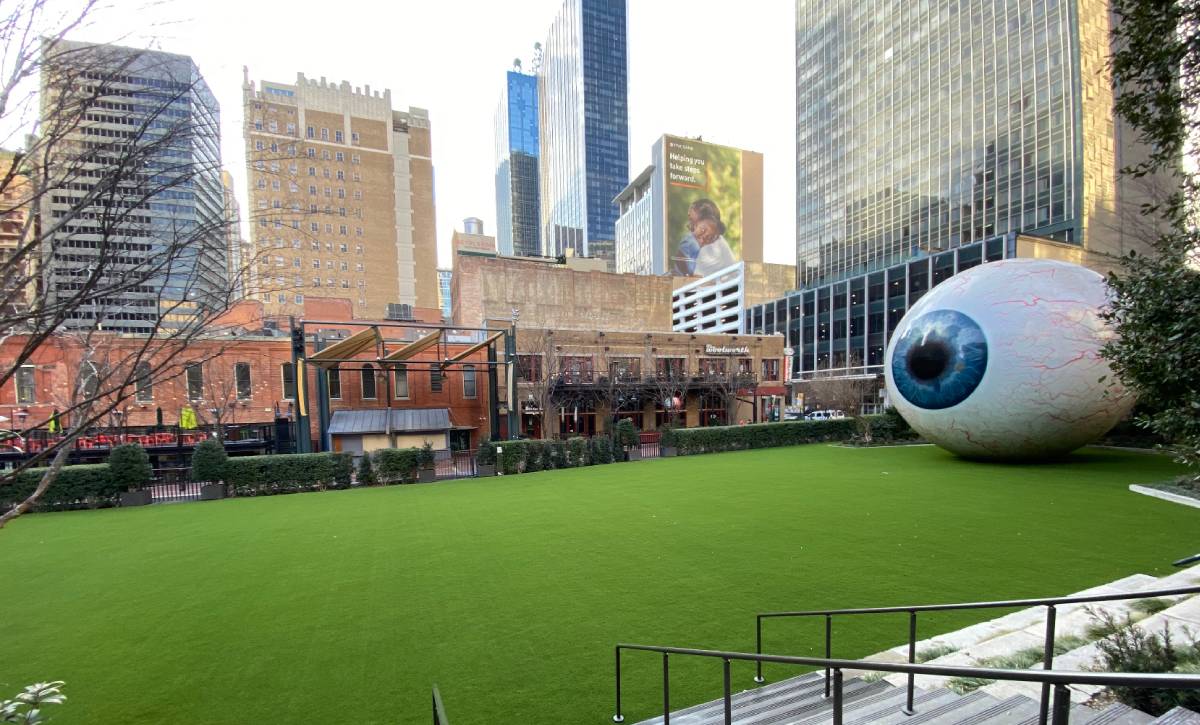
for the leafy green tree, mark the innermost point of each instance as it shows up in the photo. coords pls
(366, 472)
(208, 461)
(1156, 295)
(129, 467)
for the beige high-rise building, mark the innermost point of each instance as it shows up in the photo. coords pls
(341, 197)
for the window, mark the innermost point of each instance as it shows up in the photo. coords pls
(195, 382)
(339, 136)
(335, 383)
(402, 382)
(143, 386)
(529, 368)
(259, 146)
(311, 153)
(341, 176)
(342, 247)
(468, 381)
(368, 382)
(241, 377)
(669, 368)
(324, 134)
(354, 137)
(311, 133)
(287, 374)
(25, 387)
(435, 379)
(339, 156)
(770, 369)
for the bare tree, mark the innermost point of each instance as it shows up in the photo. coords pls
(672, 379)
(121, 257)
(539, 370)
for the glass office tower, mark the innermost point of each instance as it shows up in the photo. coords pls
(517, 206)
(924, 125)
(584, 127)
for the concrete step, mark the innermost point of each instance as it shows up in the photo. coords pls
(1118, 714)
(1178, 716)
(788, 701)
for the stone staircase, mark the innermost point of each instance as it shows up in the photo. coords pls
(801, 700)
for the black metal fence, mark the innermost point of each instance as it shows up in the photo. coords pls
(172, 484)
(454, 464)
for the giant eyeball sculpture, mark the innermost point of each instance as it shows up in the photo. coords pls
(1003, 361)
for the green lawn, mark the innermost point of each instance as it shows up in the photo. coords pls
(345, 606)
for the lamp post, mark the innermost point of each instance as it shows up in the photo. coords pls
(510, 345)
(21, 414)
(120, 416)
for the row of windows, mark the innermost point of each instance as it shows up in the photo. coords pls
(581, 368)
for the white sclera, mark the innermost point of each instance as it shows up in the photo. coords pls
(1046, 390)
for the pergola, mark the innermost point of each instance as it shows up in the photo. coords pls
(388, 353)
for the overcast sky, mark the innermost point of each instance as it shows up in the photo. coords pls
(696, 68)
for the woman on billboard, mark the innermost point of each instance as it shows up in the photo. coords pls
(689, 248)
(715, 253)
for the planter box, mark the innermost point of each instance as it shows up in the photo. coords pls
(485, 470)
(212, 491)
(668, 452)
(426, 475)
(634, 454)
(136, 498)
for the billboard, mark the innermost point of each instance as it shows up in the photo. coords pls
(713, 206)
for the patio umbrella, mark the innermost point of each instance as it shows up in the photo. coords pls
(54, 426)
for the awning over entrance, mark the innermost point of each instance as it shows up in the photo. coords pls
(419, 420)
(348, 348)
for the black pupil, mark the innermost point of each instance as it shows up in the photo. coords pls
(928, 360)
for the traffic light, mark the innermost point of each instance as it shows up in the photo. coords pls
(297, 341)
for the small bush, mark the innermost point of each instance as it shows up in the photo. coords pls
(626, 433)
(1150, 606)
(534, 450)
(397, 465)
(486, 455)
(129, 466)
(366, 472)
(511, 457)
(208, 461)
(577, 450)
(548, 458)
(559, 454)
(343, 469)
(934, 651)
(425, 457)
(602, 450)
(1133, 649)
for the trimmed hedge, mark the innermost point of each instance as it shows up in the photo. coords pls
(90, 486)
(715, 439)
(129, 466)
(397, 465)
(528, 456)
(284, 473)
(208, 461)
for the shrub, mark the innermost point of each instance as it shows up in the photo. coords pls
(534, 455)
(486, 455)
(511, 457)
(690, 441)
(208, 461)
(129, 466)
(425, 457)
(602, 450)
(1133, 649)
(549, 455)
(366, 472)
(285, 473)
(343, 469)
(89, 486)
(576, 452)
(397, 465)
(626, 433)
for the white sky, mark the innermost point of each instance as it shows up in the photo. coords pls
(696, 67)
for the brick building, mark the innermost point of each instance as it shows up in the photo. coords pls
(575, 382)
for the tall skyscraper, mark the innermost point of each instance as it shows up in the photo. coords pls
(517, 205)
(924, 126)
(583, 127)
(341, 190)
(149, 111)
(238, 257)
(444, 283)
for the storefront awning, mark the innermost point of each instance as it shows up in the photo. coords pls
(359, 422)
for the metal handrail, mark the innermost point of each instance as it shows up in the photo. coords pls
(1048, 653)
(1058, 678)
(439, 710)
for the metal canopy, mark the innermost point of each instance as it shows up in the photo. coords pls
(418, 420)
(414, 348)
(348, 348)
(473, 349)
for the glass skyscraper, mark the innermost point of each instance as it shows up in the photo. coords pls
(517, 206)
(922, 125)
(177, 192)
(584, 127)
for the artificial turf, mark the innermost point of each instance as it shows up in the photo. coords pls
(510, 592)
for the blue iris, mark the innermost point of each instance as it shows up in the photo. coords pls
(939, 360)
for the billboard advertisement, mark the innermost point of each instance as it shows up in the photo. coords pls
(713, 206)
